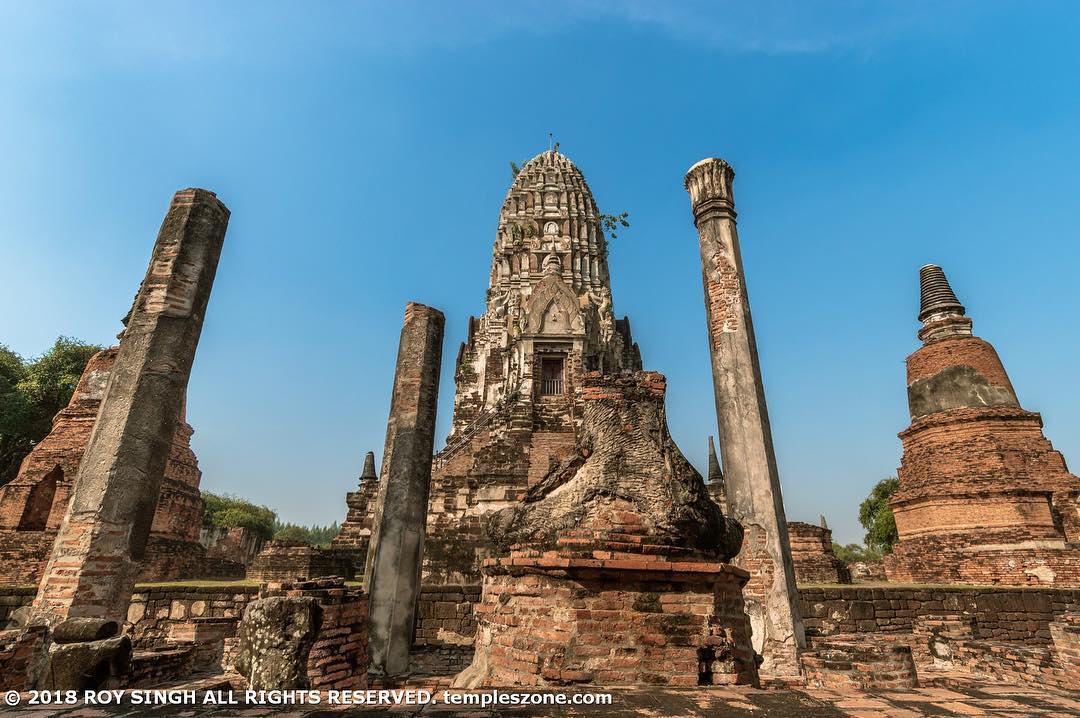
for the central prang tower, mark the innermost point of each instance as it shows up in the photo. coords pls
(549, 310)
(549, 318)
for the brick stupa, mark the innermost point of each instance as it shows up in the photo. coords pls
(355, 535)
(984, 498)
(33, 504)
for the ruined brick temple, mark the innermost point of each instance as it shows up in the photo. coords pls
(560, 537)
(984, 498)
(33, 504)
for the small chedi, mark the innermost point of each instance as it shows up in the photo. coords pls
(33, 504)
(613, 569)
(812, 554)
(984, 498)
(355, 535)
(715, 484)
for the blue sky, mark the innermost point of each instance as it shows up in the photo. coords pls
(363, 149)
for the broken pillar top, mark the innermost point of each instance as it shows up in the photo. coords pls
(709, 183)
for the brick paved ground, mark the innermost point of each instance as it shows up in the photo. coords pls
(950, 696)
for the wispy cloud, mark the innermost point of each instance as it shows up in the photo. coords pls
(49, 38)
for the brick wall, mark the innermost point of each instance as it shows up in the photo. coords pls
(812, 555)
(160, 665)
(17, 649)
(948, 642)
(612, 622)
(23, 555)
(295, 560)
(155, 609)
(1003, 614)
(445, 628)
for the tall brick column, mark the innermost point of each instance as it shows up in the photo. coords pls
(397, 538)
(751, 479)
(103, 535)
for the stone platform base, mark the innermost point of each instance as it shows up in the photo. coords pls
(551, 620)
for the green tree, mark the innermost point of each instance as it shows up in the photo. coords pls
(31, 393)
(853, 553)
(877, 518)
(292, 532)
(233, 512)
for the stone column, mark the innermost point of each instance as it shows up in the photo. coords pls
(751, 479)
(103, 535)
(394, 560)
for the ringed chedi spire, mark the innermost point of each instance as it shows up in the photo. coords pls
(752, 482)
(983, 496)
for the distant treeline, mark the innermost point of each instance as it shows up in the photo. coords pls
(233, 512)
(314, 535)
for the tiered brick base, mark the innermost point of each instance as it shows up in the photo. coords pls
(552, 619)
(939, 560)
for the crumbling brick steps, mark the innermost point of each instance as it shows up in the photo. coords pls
(865, 664)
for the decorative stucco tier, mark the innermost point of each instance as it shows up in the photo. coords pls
(984, 498)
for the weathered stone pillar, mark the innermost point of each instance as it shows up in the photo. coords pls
(751, 479)
(397, 538)
(97, 551)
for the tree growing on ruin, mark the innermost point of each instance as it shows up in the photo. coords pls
(612, 223)
(32, 392)
(877, 518)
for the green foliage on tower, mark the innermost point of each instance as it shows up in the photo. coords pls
(877, 518)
